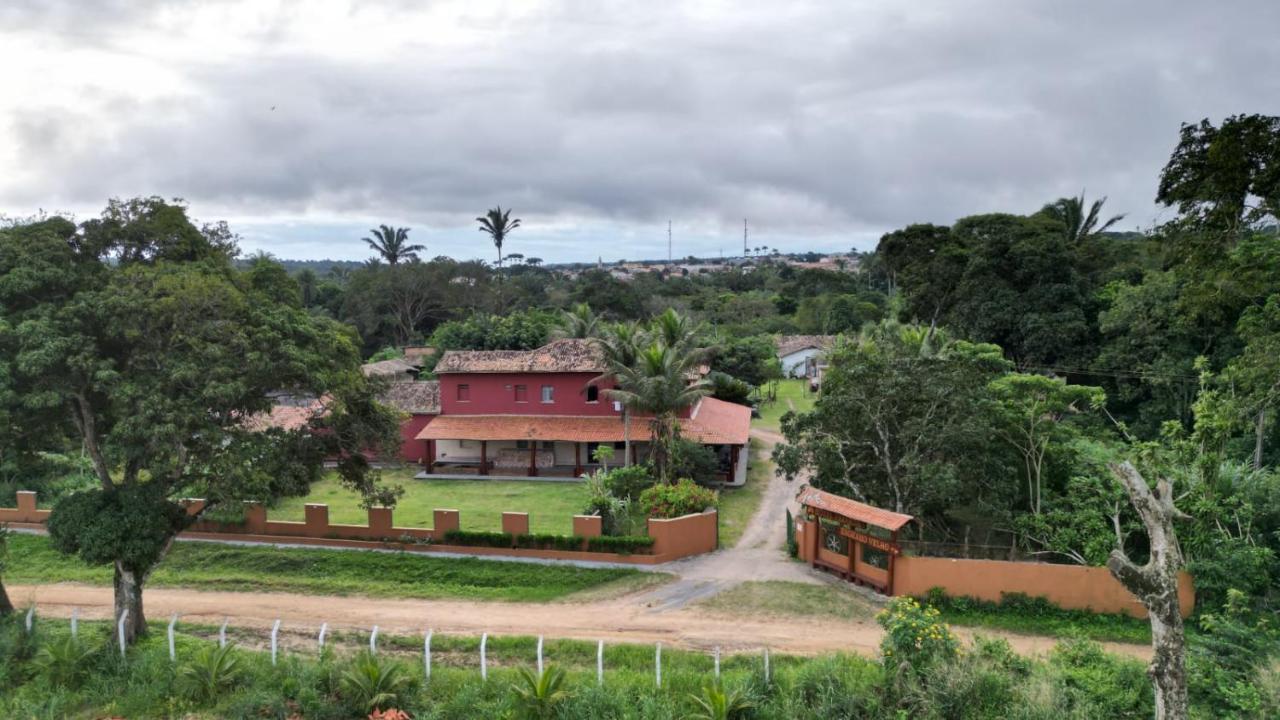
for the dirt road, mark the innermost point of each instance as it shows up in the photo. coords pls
(618, 620)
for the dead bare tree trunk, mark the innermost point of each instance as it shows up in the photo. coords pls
(1259, 430)
(1155, 584)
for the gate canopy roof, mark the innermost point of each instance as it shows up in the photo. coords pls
(851, 509)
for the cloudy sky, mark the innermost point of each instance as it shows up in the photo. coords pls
(823, 124)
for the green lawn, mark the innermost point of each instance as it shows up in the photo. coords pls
(551, 505)
(792, 392)
(790, 599)
(737, 505)
(208, 566)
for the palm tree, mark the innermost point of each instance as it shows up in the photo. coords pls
(536, 696)
(497, 224)
(659, 384)
(716, 703)
(1080, 226)
(578, 322)
(682, 335)
(393, 244)
(307, 282)
(620, 344)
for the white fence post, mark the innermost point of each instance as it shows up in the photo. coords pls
(222, 633)
(600, 663)
(324, 628)
(766, 666)
(75, 622)
(31, 616)
(124, 615)
(484, 666)
(426, 654)
(539, 655)
(657, 664)
(275, 640)
(373, 641)
(173, 654)
(716, 654)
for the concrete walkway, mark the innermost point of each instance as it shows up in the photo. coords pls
(759, 555)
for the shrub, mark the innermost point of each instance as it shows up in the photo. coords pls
(549, 542)
(620, 544)
(373, 683)
(914, 635)
(628, 482)
(212, 670)
(716, 703)
(63, 661)
(682, 498)
(473, 538)
(694, 461)
(614, 511)
(536, 697)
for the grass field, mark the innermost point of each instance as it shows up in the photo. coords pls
(551, 505)
(1079, 681)
(208, 566)
(778, 598)
(792, 394)
(737, 505)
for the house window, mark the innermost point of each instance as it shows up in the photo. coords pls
(464, 392)
(620, 445)
(548, 445)
(548, 394)
(593, 394)
(522, 444)
(522, 393)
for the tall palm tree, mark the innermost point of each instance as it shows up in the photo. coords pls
(659, 384)
(578, 322)
(1079, 225)
(620, 344)
(497, 224)
(681, 334)
(393, 244)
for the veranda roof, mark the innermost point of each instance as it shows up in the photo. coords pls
(713, 422)
(851, 509)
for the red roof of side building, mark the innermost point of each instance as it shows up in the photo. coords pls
(852, 509)
(714, 422)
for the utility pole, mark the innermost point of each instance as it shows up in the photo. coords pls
(744, 237)
(668, 242)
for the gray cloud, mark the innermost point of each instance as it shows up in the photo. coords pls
(817, 121)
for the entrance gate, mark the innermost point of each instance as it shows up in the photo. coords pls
(855, 540)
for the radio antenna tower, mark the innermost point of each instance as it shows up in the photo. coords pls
(668, 242)
(744, 237)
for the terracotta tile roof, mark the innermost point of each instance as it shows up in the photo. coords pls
(852, 509)
(568, 355)
(390, 368)
(414, 397)
(714, 422)
(788, 344)
(285, 417)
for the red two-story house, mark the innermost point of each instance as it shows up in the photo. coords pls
(538, 413)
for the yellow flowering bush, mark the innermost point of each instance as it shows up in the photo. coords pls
(914, 635)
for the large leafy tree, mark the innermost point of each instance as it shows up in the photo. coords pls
(903, 421)
(392, 244)
(497, 224)
(1225, 178)
(1031, 416)
(137, 331)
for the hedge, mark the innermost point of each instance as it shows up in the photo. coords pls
(620, 544)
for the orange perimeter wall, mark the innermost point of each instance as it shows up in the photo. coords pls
(672, 539)
(1069, 586)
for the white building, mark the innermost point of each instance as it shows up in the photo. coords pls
(799, 354)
